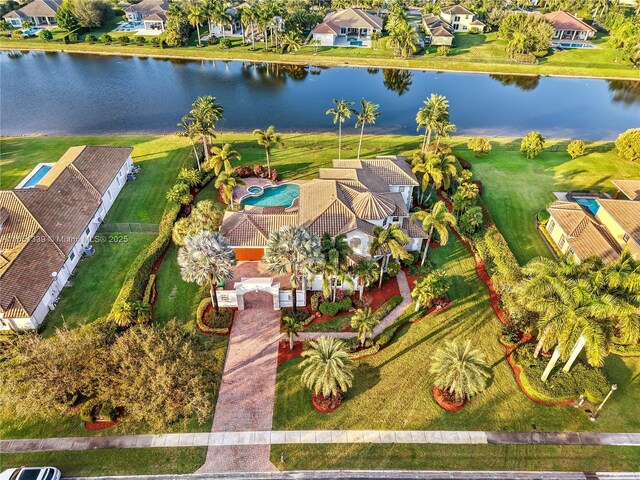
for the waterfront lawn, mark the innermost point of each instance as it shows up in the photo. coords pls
(515, 188)
(392, 389)
(456, 457)
(127, 461)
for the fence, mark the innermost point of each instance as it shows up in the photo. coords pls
(130, 227)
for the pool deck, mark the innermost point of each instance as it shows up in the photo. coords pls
(240, 192)
(30, 175)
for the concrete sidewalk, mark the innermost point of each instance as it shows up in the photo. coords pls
(267, 438)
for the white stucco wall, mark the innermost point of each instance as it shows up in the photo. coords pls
(325, 39)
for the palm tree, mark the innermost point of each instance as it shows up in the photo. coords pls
(122, 314)
(292, 41)
(294, 251)
(188, 131)
(441, 170)
(335, 251)
(228, 180)
(429, 288)
(142, 311)
(205, 114)
(431, 116)
(180, 193)
(207, 258)
(327, 368)
(465, 196)
(196, 17)
(366, 115)
(420, 168)
(388, 242)
(403, 39)
(443, 130)
(364, 321)
(460, 370)
(268, 138)
(438, 219)
(367, 273)
(221, 158)
(293, 328)
(340, 112)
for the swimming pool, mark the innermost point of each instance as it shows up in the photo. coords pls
(277, 196)
(572, 45)
(34, 177)
(127, 27)
(31, 31)
(590, 203)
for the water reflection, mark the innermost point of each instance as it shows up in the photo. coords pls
(396, 80)
(523, 82)
(625, 91)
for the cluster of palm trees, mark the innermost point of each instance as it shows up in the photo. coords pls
(342, 111)
(201, 122)
(588, 306)
(403, 37)
(433, 117)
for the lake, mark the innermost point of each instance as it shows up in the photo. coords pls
(61, 93)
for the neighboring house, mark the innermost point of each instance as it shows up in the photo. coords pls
(39, 12)
(568, 27)
(232, 29)
(351, 27)
(45, 229)
(578, 234)
(460, 19)
(630, 188)
(437, 30)
(622, 219)
(151, 12)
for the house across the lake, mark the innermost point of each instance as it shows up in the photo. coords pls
(461, 19)
(38, 12)
(152, 14)
(47, 223)
(437, 30)
(569, 27)
(590, 226)
(350, 27)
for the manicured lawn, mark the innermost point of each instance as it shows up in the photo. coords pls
(450, 457)
(135, 461)
(474, 53)
(392, 389)
(337, 324)
(515, 188)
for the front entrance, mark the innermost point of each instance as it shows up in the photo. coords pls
(249, 289)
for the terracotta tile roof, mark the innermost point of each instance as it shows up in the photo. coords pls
(149, 6)
(630, 188)
(565, 21)
(585, 236)
(357, 177)
(353, 18)
(626, 213)
(41, 8)
(252, 228)
(393, 170)
(456, 10)
(414, 230)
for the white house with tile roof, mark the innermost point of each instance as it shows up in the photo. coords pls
(350, 27)
(39, 12)
(44, 229)
(461, 19)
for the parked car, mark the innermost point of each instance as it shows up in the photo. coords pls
(31, 473)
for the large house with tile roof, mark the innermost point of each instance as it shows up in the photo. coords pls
(569, 27)
(461, 19)
(350, 27)
(38, 12)
(45, 229)
(150, 12)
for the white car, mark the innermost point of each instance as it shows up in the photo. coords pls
(31, 473)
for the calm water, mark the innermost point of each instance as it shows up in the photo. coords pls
(56, 93)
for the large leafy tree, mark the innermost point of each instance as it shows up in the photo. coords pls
(367, 115)
(326, 367)
(460, 370)
(386, 243)
(295, 251)
(268, 139)
(340, 112)
(628, 145)
(65, 16)
(92, 13)
(207, 258)
(439, 219)
(525, 33)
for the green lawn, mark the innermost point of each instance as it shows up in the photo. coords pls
(515, 189)
(473, 53)
(392, 389)
(337, 324)
(135, 461)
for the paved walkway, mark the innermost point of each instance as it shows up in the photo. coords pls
(405, 291)
(219, 441)
(247, 392)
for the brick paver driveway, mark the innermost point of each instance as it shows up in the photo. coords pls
(247, 391)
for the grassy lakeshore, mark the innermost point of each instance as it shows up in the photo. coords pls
(473, 53)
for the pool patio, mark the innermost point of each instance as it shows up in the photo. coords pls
(342, 41)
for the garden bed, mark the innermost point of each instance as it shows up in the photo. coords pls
(326, 405)
(211, 323)
(446, 401)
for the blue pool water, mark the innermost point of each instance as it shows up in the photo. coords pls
(280, 196)
(31, 31)
(590, 203)
(254, 189)
(37, 176)
(573, 45)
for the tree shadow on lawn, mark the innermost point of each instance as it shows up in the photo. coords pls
(464, 42)
(367, 377)
(618, 372)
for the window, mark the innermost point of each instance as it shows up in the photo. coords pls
(88, 230)
(626, 238)
(464, 27)
(72, 255)
(384, 222)
(561, 242)
(118, 180)
(395, 219)
(456, 18)
(401, 189)
(571, 252)
(110, 196)
(550, 225)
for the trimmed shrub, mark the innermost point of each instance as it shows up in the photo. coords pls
(443, 51)
(299, 315)
(315, 301)
(157, 42)
(45, 35)
(106, 39)
(221, 320)
(150, 290)
(393, 269)
(479, 145)
(628, 145)
(529, 58)
(576, 148)
(140, 40)
(387, 307)
(532, 144)
(74, 37)
(124, 40)
(213, 40)
(333, 308)
(226, 43)
(90, 39)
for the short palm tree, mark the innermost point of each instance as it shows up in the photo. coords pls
(429, 288)
(180, 193)
(442, 170)
(431, 116)
(438, 219)
(268, 139)
(341, 112)
(367, 272)
(189, 176)
(388, 242)
(122, 314)
(228, 180)
(207, 258)
(366, 115)
(294, 251)
(364, 321)
(221, 158)
(142, 311)
(459, 370)
(327, 369)
(292, 41)
(196, 17)
(293, 328)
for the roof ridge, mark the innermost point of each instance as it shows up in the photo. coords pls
(85, 181)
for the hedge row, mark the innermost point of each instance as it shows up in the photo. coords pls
(333, 308)
(203, 327)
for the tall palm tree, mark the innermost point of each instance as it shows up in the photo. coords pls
(207, 258)
(188, 131)
(335, 251)
(442, 171)
(294, 251)
(420, 168)
(431, 116)
(367, 272)
(403, 39)
(341, 112)
(327, 369)
(460, 370)
(364, 321)
(205, 114)
(228, 180)
(196, 17)
(443, 130)
(366, 115)
(388, 242)
(438, 219)
(221, 158)
(292, 327)
(268, 138)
